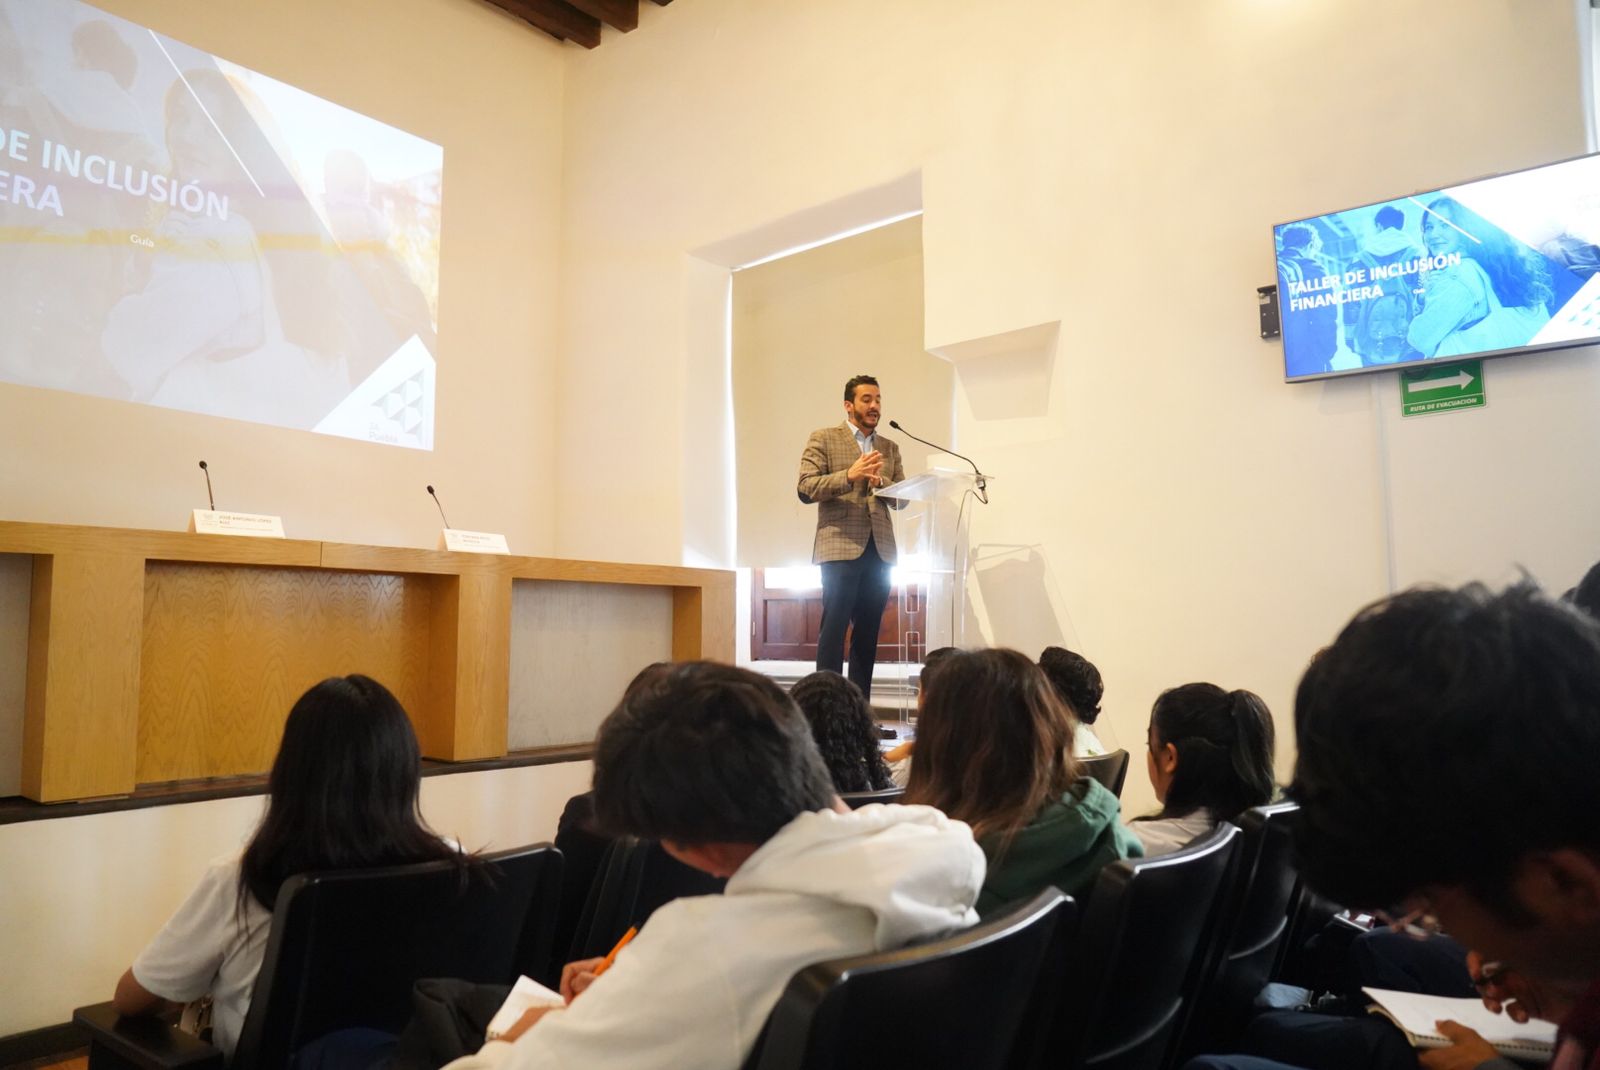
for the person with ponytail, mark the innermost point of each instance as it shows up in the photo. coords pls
(342, 795)
(1209, 759)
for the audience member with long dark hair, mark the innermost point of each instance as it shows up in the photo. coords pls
(994, 749)
(1078, 683)
(842, 724)
(1209, 759)
(343, 795)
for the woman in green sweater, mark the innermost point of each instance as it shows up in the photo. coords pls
(994, 749)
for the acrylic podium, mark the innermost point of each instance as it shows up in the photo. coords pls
(933, 515)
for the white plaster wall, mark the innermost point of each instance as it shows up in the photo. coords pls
(82, 895)
(1174, 508)
(803, 326)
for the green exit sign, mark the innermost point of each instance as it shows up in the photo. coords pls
(1442, 388)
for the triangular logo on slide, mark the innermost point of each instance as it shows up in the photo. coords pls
(394, 405)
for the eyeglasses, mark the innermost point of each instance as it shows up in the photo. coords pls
(1413, 918)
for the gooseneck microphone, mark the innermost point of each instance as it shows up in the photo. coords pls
(437, 503)
(983, 480)
(958, 550)
(209, 497)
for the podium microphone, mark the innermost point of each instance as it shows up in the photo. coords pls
(440, 507)
(209, 496)
(982, 479)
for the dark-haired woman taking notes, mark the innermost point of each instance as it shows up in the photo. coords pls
(343, 795)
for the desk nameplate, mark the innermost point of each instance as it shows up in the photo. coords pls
(472, 542)
(254, 525)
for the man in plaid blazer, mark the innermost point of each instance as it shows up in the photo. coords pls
(839, 471)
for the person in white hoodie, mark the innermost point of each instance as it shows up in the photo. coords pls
(719, 765)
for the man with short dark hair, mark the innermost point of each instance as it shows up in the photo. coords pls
(1449, 763)
(719, 765)
(840, 469)
(1078, 684)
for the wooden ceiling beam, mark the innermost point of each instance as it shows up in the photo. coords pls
(556, 18)
(618, 14)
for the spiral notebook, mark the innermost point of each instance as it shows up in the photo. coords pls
(1416, 1014)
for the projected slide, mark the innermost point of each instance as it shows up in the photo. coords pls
(180, 231)
(1491, 266)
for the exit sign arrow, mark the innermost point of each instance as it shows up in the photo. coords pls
(1460, 380)
(1441, 388)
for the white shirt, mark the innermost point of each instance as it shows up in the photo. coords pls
(900, 772)
(867, 440)
(1085, 743)
(694, 988)
(210, 946)
(1163, 835)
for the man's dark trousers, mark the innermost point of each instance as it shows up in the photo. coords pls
(853, 596)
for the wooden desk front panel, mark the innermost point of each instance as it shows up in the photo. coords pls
(158, 656)
(226, 651)
(83, 668)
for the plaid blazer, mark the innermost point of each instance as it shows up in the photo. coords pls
(846, 513)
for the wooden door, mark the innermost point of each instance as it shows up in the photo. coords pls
(785, 622)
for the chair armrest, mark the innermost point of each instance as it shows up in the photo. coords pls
(147, 1043)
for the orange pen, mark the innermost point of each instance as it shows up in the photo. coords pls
(605, 964)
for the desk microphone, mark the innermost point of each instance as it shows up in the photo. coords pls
(982, 479)
(209, 496)
(435, 498)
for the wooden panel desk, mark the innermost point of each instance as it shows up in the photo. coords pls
(156, 656)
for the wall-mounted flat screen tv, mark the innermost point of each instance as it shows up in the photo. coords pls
(1497, 266)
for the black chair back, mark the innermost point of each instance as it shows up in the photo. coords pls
(1117, 999)
(1110, 769)
(1307, 956)
(857, 799)
(955, 1001)
(583, 857)
(536, 943)
(611, 896)
(638, 877)
(346, 947)
(1251, 920)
